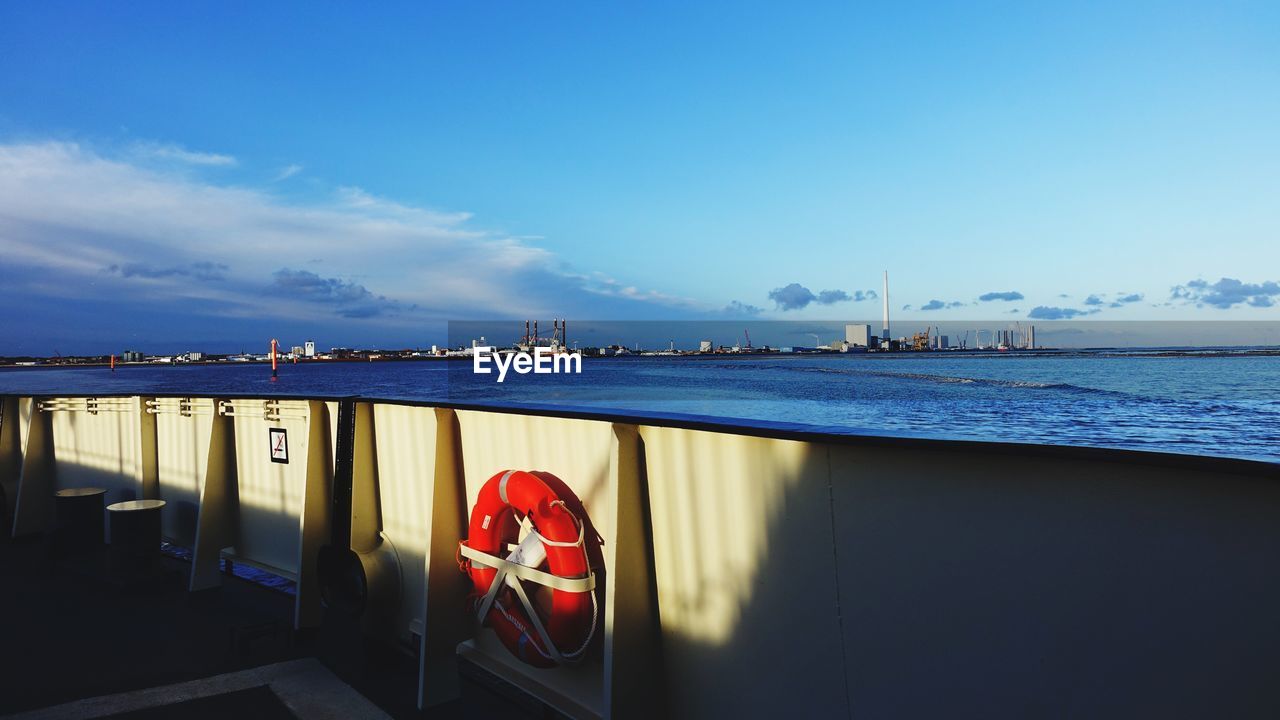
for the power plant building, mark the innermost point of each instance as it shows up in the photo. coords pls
(858, 335)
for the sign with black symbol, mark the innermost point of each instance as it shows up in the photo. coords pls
(279, 445)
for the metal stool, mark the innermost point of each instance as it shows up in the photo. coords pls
(135, 536)
(79, 518)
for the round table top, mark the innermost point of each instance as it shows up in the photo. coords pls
(80, 492)
(131, 505)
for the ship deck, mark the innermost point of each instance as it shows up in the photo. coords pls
(748, 570)
(81, 643)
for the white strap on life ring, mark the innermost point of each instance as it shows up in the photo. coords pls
(510, 573)
(502, 486)
(524, 572)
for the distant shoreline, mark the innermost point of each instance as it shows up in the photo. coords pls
(1238, 351)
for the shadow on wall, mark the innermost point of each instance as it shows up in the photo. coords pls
(101, 450)
(882, 582)
(182, 518)
(1055, 587)
(743, 551)
(73, 475)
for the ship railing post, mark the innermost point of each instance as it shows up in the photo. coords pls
(216, 521)
(633, 669)
(10, 459)
(150, 467)
(446, 620)
(314, 520)
(33, 506)
(366, 505)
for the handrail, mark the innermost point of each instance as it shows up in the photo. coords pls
(184, 407)
(266, 409)
(92, 405)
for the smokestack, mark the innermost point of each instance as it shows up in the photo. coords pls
(885, 333)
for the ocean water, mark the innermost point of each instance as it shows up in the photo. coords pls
(1222, 403)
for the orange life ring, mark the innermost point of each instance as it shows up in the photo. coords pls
(555, 538)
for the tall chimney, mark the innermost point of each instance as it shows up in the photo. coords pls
(884, 335)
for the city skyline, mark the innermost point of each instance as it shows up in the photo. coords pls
(689, 335)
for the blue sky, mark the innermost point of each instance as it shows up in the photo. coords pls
(215, 173)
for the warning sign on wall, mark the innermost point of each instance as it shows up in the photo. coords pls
(279, 445)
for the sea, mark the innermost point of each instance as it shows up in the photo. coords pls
(1206, 401)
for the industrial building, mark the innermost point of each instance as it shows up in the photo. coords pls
(858, 335)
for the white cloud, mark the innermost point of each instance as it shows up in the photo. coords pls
(287, 172)
(169, 151)
(1227, 293)
(601, 284)
(72, 213)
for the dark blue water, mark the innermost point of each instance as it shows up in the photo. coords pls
(1217, 404)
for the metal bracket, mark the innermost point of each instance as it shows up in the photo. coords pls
(268, 410)
(91, 405)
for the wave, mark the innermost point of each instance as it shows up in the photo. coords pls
(928, 377)
(963, 380)
(993, 382)
(1201, 407)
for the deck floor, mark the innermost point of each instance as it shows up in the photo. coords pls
(72, 631)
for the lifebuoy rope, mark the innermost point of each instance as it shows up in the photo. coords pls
(582, 529)
(570, 656)
(506, 567)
